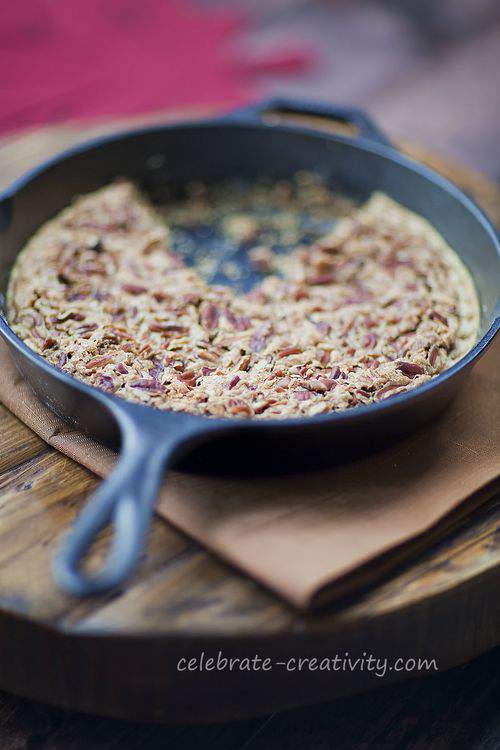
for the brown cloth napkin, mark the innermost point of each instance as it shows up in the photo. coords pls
(319, 535)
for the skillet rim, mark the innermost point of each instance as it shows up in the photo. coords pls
(236, 120)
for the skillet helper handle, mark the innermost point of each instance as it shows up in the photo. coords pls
(345, 114)
(126, 502)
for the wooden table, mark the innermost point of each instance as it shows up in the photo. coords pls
(117, 655)
(455, 710)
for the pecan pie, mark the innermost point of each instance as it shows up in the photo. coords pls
(378, 306)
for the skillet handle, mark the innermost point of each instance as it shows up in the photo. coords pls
(126, 502)
(349, 115)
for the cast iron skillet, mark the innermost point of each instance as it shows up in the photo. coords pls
(238, 144)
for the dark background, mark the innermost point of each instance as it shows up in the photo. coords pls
(457, 709)
(426, 69)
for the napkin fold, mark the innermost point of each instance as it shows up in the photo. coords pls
(316, 536)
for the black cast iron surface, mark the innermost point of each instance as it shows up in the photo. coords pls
(238, 145)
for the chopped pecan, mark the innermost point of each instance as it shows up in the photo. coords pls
(302, 395)
(323, 357)
(288, 351)
(133, 288)
(147, 384)
(433, 355)
(96, 362)
(106, 383)
(210, 317)
(435, 315)
(70, 315)
(164, 327)
(370, 340)
(410, 369)
(388, 391)
(323, 327)
(320, 279)
(244, 362)
(317, 385)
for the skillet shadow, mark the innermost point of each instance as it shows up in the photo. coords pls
(236, 456)
(370, 482)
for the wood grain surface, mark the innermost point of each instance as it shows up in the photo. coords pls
(117, 654)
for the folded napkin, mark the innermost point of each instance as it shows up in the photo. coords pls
(316, 536)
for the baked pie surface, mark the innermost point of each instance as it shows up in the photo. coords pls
(378, 306)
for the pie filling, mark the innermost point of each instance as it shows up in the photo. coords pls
(379, 305)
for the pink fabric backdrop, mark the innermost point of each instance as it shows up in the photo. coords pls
(65, 59)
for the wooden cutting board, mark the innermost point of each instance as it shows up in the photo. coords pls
(118, 655)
